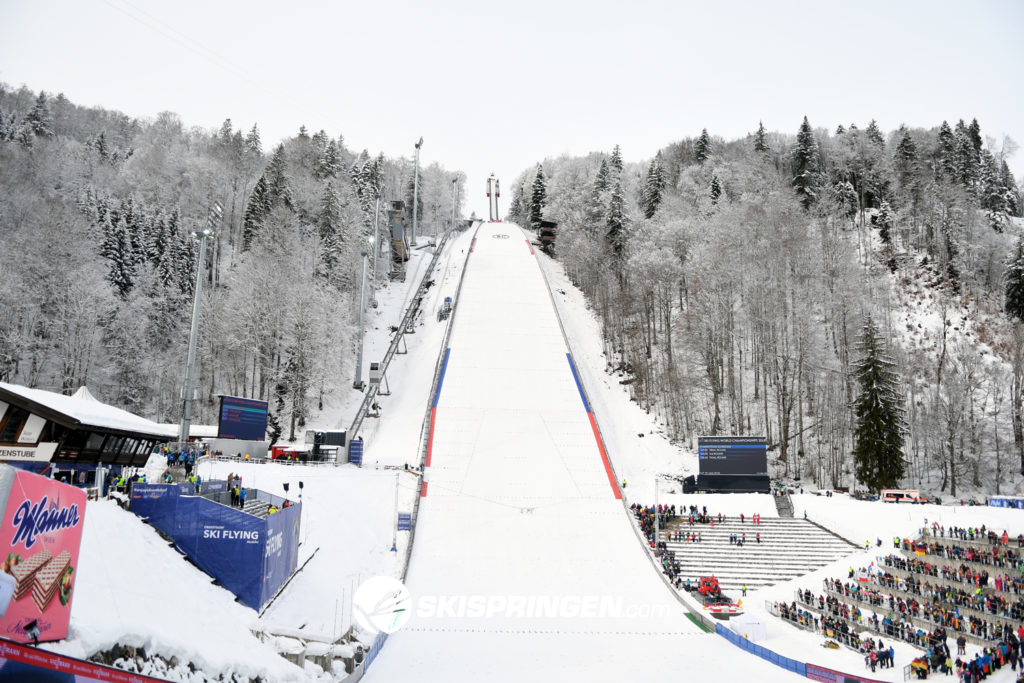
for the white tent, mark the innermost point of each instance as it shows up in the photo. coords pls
(749, 627)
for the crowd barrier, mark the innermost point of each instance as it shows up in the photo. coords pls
(805, 669)
(249, 556)
(764, 653)
(24, 663)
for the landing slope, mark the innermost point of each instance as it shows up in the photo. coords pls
(520, 507)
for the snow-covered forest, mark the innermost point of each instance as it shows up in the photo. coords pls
(737, 282)
(97, 270)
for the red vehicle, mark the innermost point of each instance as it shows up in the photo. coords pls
(286, 453)
(709, 587)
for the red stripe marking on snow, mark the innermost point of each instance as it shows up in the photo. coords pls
(472, 246)
(530, 246)
(430, 447)
(604, 457)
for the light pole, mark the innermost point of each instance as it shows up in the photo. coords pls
(358, 383)
(455, 199)
(376, 248)
(416, 190)
(207, 232)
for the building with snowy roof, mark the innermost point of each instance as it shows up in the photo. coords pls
(38, 427)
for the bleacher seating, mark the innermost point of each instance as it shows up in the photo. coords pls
(789, 548)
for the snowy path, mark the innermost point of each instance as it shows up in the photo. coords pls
(519, 506)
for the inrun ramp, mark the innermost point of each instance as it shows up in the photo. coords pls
(520, 510)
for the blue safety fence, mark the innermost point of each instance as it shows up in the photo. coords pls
(375, 649)
(355, 452)
(1006, 502)
(764, 653)
(250, 556)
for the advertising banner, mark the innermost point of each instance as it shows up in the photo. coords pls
(225, 543)
(820, 673)
(41, 453)
(281, 551)
(39, 542)
(156, 503)
(24, 663)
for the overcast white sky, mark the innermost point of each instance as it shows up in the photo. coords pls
(495, 86)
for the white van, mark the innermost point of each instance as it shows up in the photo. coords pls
(902, 496)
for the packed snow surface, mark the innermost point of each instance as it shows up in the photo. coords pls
(518, 504)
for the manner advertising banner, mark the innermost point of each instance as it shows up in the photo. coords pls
(736, 455)
(39, 540)
(24, 663)
(820, 673)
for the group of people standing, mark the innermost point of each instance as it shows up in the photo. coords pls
(237, 490)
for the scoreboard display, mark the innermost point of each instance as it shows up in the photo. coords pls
(242, 418)
(735, 455)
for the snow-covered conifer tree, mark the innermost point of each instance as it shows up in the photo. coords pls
(879, 425)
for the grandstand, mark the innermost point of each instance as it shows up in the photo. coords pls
(926, 587)
(789, 548)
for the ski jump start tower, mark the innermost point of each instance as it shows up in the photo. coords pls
(493, 192)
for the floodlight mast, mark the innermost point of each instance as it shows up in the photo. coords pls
(212, 221)
(416, 191)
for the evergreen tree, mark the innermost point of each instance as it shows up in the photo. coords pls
(966, 158)
(596, 206)
(878, 414)
(974, 135)
(255, 213)
(654, 186)
(615, 164)
(328, 227)
(411, 196)
(225, 134)
(760, 142)
(279, 189)
(1012, 192)
(947, 150)
(329, 163)
(805, 165)
(252, 141)
(538, 198)
(38, 120)
(1014, 277)
(601, 180)
(905, 158)
(840, 130)
(845, 197)
(885, 219)
(702, 148)
(617, 220)
(716, 190)
(117, 249)
(515, 209)
(874, 135)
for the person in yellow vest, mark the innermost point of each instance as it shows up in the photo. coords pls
(272, 509)
(246, 456)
